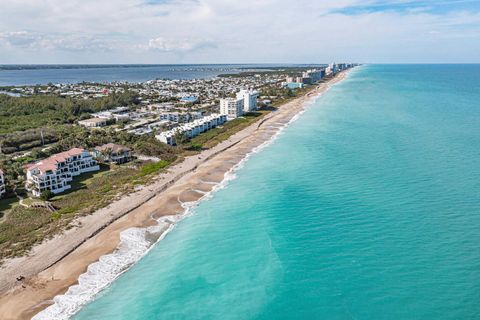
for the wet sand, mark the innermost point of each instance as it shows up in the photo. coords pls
(53, 266)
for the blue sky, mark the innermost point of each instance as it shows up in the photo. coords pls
(438, 7)
(234, 31)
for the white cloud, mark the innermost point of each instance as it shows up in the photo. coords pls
(35, 41)
(170, 31)
(181, 45)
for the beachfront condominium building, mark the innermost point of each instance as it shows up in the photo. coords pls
(331, 69)
(55, 173)
(112, 152)
(180, 116)
(2, 183)
(232, 107)
(192, 129)
(249, 99)
(313, 75)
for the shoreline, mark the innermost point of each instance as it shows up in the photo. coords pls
(55, 265)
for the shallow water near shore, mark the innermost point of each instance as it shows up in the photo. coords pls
(366, 207)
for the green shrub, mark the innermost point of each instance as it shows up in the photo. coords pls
(46, 195)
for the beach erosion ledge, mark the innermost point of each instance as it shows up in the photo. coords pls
(142, 217)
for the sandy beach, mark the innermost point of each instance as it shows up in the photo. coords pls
(55, 265)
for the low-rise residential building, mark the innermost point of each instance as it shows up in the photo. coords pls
(93, 122)
(232, 107)
(55, 173)
(2, 183)
(192, 129)
(119, 113)
(112, 152)
(180, 116)
(293, 85)
(249, 99)
(159, 107)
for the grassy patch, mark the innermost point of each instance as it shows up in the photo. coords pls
(22, 228)
(94, 190)
(30, 201)
(154, 167)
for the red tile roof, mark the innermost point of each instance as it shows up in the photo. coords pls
(51, 163)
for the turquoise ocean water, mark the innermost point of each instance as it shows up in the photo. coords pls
(366, 207)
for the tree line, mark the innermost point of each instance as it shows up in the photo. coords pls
(22, 113)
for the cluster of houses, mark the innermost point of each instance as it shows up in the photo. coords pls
(205, 91)
(179, 91)
(190, 124)
(57, 171)
(100, 119)
(78, 90)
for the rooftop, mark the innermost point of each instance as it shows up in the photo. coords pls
(51, 162)
(95, 120)
(113, 147)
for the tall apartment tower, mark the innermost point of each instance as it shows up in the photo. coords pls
(232, 107)
(249, 99)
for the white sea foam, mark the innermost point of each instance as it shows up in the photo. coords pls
(134, 244)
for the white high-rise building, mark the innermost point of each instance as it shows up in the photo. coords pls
(249, 99)
(331, 69)
(2, 184)
(232, 107)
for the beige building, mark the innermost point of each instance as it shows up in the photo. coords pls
(232, 107)
(93, 122)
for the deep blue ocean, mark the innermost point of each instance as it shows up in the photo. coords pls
(15, 75)
(366, 207)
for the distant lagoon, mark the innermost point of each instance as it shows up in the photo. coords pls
(17, 75)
